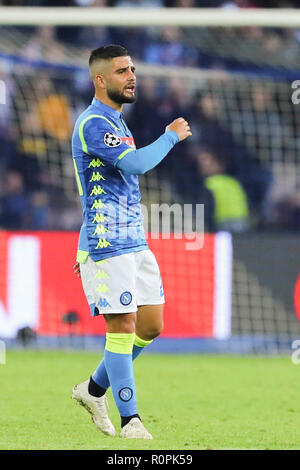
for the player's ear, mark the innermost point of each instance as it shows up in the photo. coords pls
(100, 82)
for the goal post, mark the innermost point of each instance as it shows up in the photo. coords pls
(187, 17)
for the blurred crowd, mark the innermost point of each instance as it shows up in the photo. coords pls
(213, 167)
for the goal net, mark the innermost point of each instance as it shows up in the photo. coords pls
(235, 80)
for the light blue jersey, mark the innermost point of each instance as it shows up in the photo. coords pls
(105, 160)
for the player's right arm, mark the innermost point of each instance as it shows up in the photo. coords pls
(142, 160)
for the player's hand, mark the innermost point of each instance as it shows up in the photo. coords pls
(181, 127)
(76, 268)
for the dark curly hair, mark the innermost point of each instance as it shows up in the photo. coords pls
(107, 52)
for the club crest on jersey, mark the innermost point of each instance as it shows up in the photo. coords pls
(112, 140)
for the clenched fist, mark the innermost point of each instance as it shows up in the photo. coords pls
(181, 127)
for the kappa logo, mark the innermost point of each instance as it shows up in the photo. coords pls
(125, 394)
(112, 140)
(103, 303)
(161, 291)
(126, 298)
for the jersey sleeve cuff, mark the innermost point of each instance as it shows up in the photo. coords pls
(173, 136)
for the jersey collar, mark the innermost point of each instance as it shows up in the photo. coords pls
(107, 109)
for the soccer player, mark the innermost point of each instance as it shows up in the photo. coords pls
(119, 273)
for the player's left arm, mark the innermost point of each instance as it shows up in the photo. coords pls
(142, 160)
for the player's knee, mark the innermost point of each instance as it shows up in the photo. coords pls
(128, 327)
(123, 323)
(153, 331)
(158, 329)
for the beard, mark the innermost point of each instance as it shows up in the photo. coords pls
(118, 97)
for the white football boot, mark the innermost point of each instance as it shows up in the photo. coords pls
(96, 406)
(135, 430)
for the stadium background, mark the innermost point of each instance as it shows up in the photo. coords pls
(234, 87)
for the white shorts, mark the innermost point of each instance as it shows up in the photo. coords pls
(122, 283)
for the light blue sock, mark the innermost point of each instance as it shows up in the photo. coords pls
(100, 375)
(119, 367)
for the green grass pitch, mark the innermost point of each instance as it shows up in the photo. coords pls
(186, 402)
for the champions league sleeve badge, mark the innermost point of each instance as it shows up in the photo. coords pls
(112, 140)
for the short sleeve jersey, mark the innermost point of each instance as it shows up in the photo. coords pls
(110, 198)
